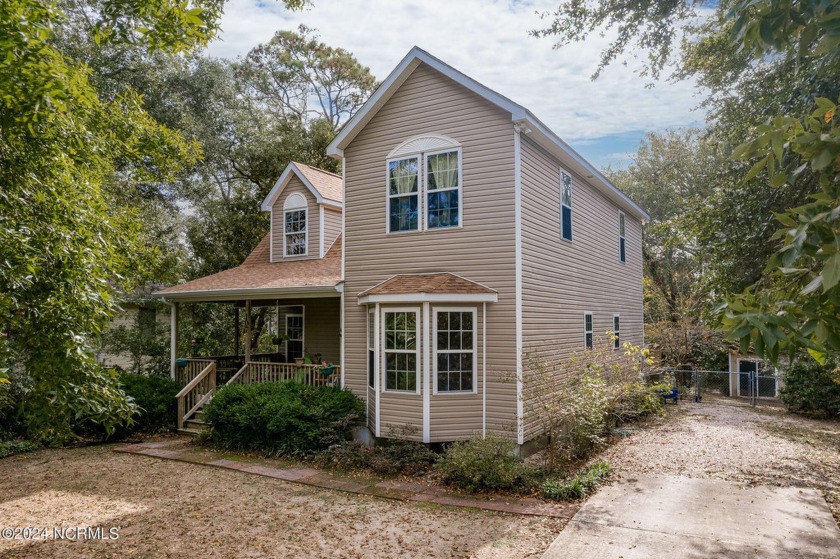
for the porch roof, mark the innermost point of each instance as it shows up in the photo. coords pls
(259, 278)
(440, 287)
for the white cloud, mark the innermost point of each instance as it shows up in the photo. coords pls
(489, 41)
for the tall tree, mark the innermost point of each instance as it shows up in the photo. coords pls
(296, 76)
(67, 237)
(771, 66)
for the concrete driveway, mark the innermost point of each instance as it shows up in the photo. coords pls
(677, 517)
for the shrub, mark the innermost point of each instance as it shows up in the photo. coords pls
(155, 395)
(8, 448)
(403, 457)
(390, 457)
(576, 401)
(284, 418)
(813, 389)
(485, 464)
(578, 486)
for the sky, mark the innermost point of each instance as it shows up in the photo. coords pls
(488, 40)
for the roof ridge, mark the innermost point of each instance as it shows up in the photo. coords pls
(314, 168)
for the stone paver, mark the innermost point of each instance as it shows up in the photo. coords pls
(176, 449)
(681, 518)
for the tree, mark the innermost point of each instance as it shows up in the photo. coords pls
(67, 238)
(296, 76)
(772, 67)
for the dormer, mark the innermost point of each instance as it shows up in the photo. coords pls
(305, 205)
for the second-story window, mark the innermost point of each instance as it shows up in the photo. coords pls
(622, 241)
(443, 184)
(404, 194)
(566, 205)
(294, 226)
(424, 185)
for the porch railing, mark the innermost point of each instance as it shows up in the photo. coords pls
(184, 375)
(254, 372)
(197, 392)
(200, 377)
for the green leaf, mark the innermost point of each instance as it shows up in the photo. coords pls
(819, 356)
(831, 272)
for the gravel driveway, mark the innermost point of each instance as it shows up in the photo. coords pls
(758, 446)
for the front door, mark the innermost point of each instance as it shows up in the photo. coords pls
(294, 337)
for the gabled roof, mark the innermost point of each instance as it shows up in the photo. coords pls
(258, 277)
(442, 286)
(326, 187)
(533, 127)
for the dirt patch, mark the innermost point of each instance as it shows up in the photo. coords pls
(762, 445)
(173, 509)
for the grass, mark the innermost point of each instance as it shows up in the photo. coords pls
(9, 448)
(579, 486)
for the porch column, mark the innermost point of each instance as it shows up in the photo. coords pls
(173, 339)
(236, 333)
(247, 331)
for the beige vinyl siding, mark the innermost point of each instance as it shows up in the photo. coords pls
(482, 250)
(562, 279)
(313, 223)
(321, 326)
(332, 227)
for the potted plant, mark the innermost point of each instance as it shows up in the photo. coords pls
(279, 339)
(299, 361)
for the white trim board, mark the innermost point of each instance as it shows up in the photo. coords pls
(517, 197)
(430, 298)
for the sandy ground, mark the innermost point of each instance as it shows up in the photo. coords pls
(762, 445)
(172, 509)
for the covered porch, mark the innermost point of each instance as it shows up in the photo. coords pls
(275, 340)
(259, 322)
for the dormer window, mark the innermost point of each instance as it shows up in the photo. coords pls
(294, 226)
(424, 184)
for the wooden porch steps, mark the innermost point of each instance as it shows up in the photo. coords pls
(196, 425)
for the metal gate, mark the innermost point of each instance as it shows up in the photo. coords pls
(743, 387)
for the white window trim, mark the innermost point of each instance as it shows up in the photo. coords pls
(435, 312)
(423, 191)
(459, 188)
(371, 346)
(622, 218)
(564, 205)
(302, 333)
(384, 351)
(389, 196)
(585, 331)
(617, 332)
(286, 254)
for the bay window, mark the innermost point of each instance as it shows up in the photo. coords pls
(454, 350)
(401, 350)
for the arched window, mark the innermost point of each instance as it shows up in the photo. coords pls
(294, 226)
(424, 184)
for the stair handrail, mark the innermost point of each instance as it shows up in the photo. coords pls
(238, 373)
(209, 372)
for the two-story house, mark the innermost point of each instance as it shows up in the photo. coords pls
(462, 235)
